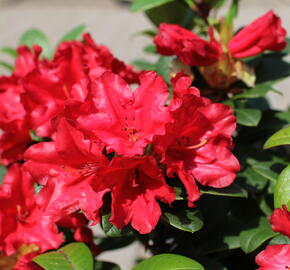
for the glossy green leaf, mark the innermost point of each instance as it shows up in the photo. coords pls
(9, 51)
(259, 90)
(232, 191)
(36, 37)
(168, 262)
(282, 189)
(141, 5)
(264, 169)
(184, 219)
(2, 173)
(75, 256)
(99, 265)
(6, 65)
(74, 34)
(259, 232)
(282, 137)
(248, 117)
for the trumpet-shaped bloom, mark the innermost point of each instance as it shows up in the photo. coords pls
(265, 33)
(280, 221)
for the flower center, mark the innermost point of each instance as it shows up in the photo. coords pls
(21, 214)
(132, 133)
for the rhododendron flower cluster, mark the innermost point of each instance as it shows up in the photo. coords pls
(101, 143)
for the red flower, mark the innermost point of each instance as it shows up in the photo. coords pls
(22, 219)
(197, 145)
(136, 184)
(275, 257)
(265, 33)
(124, 120)
(67, 168)
(280, 221)
(172, 39)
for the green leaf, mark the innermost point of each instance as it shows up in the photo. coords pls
(168, 262)
(282, 189)
(162, 67)
(2, 173)
(175, 12)
(259, 90)
(106, 266)
(110, 229)
(248, 117)
(143, 65)
(150, 49)
(6, 65)
(259, 232)
(233, 12)
(74, 34)
(190, 3)
(36, 37)
(281, 137)
(75, 256)
(9, 51)
(253, 179)
(184, 219)
(280, 240)
(264, 169)
(287, 49)
(233, 190)
(141, 5)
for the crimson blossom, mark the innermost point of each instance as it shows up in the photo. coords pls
(23, 221)
(118, 141)
(197, 144)
(265, 33)
(38, 90)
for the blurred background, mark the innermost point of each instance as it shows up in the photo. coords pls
(111, 23)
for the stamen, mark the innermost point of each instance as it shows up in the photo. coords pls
(202, 143)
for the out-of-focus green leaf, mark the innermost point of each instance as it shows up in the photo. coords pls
(150, 49)
(163, 67)
(264, 169)
(168, 262)
(110, 229)
(233, 190)
(2, 173)
(176, 12)
(233, 12)
(253, 179)
(287, 49)
(248, 117)
(217, 3)
(143, 65)
(99, 265)
(184, 219)
(282, 189)
(282, 137)
(111, 243)
(150, 33)
(142, 5)
(9, 51)
(75, 256)
(74, 34)
(259, 232)
(6, 65)
(259, 90)
(36, 37)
